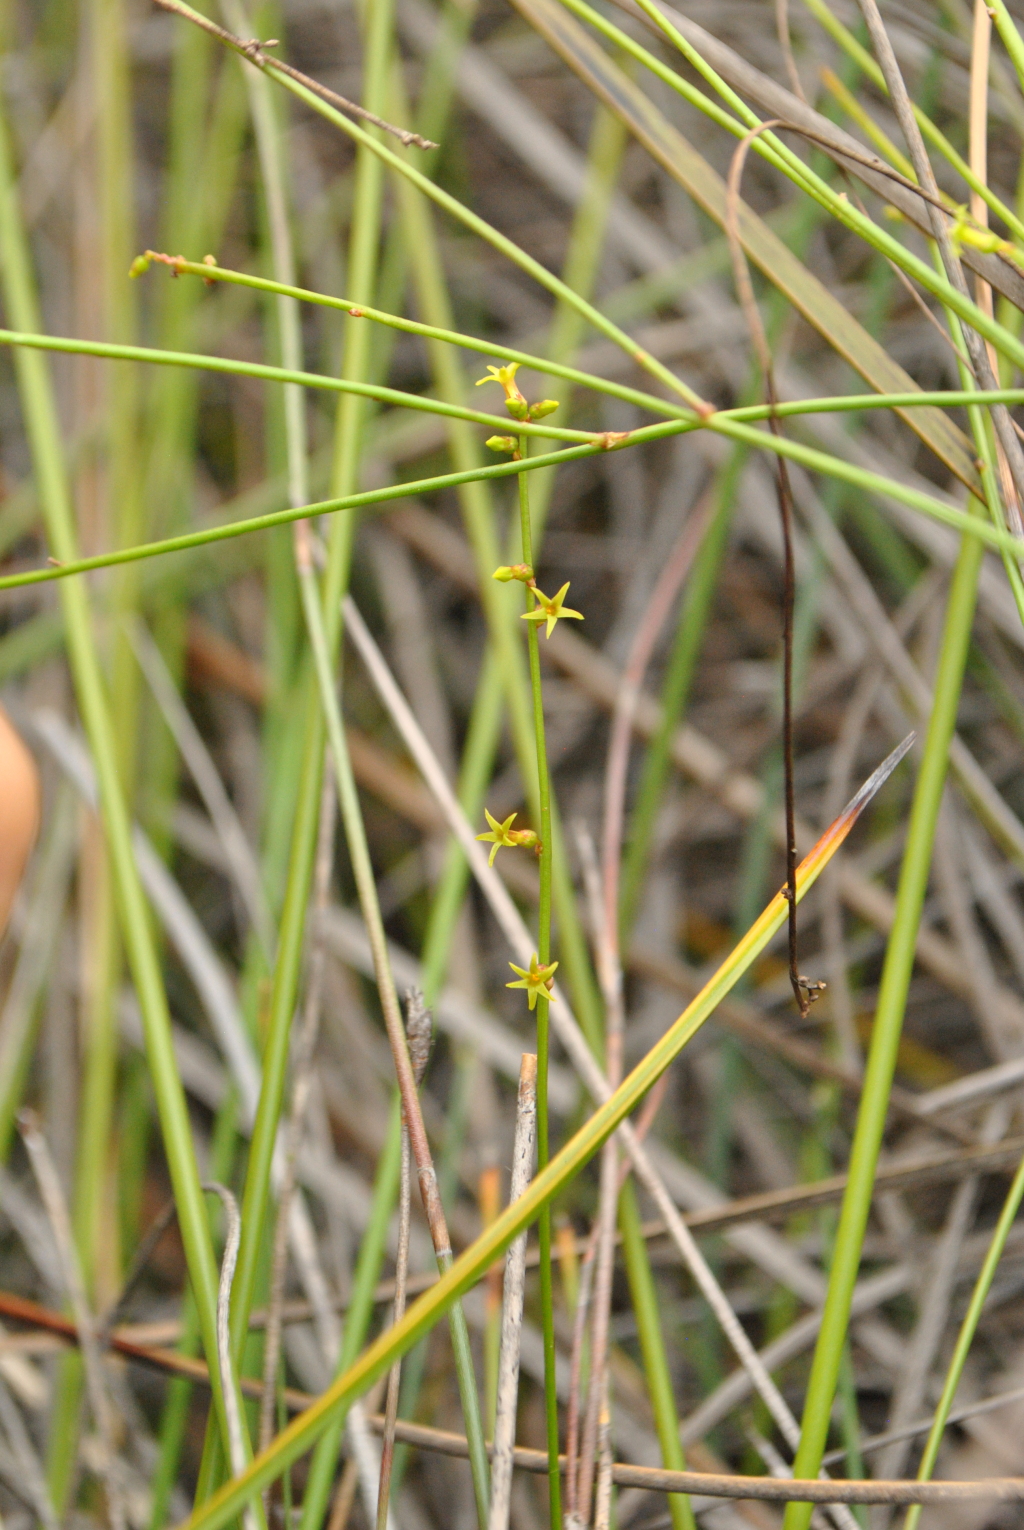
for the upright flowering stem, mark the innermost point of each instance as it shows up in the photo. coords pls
(543, 956)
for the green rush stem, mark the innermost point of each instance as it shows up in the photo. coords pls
(547, 1302)
(892, 997)
(478, 225)
(366, 887)
(1014, 45)
(423, 1313)
(868, 65)
(982, 1286)
(44, 434)
(768, 145)
(372, 1249)
(652, 1347)
(728, 425)
(346, 385)
(772, 149)
(174, 1415)
(430, 331)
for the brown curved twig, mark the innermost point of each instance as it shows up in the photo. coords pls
(803, 991)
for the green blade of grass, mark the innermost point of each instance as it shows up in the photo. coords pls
(888, 1023)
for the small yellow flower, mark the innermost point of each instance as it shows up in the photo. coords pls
(535, 979)
(503, 835)
(549, 609)
(506, 376)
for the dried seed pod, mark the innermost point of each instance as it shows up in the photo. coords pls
(419, 1028)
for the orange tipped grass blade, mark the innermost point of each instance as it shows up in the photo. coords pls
(473, 1264)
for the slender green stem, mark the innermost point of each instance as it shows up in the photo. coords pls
(550, 366)
(547, 1302)
(289, 376)
(811, 458)
(881, 1063)
(968, 1328)
(1014, 45)
(768, 145)
(44, 434)
(652, 1347)
(362, 868)
(422, 1314)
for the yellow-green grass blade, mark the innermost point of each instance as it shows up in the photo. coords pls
(471, 1265)
(667, 145)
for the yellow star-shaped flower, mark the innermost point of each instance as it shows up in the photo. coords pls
(503, 835)
(549, 609)
(535, 979)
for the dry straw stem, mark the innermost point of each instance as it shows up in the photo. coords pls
(238, 1454)
(419, 1030)
(512, 1305)
(55, 1206)
(624, 1474)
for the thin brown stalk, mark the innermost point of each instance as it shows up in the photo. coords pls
(305, 1050)
(804, 990)
(52, 1196)
(512, 1305)
(786, 44)
(255, 51)
(666, 589)
(419, 1029)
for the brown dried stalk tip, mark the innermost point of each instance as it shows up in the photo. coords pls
(610, 440)
(254, 50)
(419, 1028)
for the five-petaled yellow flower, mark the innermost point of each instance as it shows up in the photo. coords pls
(503, 834)
(535, 979)
(549, 609)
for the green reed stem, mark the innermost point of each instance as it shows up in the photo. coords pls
(644, 1295)
(892, 997)
(422, 1314)
(289, 376)
(1014, 45)
(968, 1328)
(372, 1250)
(366, 888)
(547, 1299)
(549, 365)
(809, 457)
(44, 433)
(767, 145)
